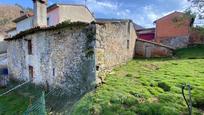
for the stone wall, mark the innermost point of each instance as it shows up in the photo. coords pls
(112, 49)
(60, 55)
(176, 42)
(151, 49)
(3, 47)
(58, 58)
(196, 37)
(3, 60)
(68, 57)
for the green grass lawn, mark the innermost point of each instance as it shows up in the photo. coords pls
(142, 86)
(149, 87)
(16, 102)
(191, 52)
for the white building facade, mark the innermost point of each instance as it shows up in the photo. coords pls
(56, 14)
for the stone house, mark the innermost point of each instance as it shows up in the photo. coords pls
(51, 55)
(47, 55)
(173, 30)
(70, 51)
(52, 16)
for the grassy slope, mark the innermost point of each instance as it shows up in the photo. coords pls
(148, 87)
(191, 52)
(131, 89)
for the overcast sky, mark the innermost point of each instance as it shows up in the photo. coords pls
(142, 12)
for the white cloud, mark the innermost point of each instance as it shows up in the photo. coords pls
(151, 13)
(105, 7)
(184, 4)
(144, 16)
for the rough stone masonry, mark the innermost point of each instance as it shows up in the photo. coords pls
(74, 55)
(71, 56)
(58, 57)
(115, 44)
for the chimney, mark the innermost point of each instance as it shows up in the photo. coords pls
(22, 13)
(40, 13)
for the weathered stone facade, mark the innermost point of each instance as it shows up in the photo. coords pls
(115, 44)
(61, 52)
(151, 49)
(58, 58)
(3, 60)
(176, 42)
(3, 47)
(74, 59)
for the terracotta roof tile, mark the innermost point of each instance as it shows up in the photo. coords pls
(27, 15)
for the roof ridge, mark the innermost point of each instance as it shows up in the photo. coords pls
(168, 15)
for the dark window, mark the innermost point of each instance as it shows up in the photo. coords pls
(31, 72)
(53, 72)
(97, 68)
(129, 27)
(48, 21)
(128, 43)
(29, 47)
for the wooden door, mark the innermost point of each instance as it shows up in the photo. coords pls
(31, 72)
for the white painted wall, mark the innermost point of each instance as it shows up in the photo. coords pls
(75, 13)
(12, 33)
(58, 15)
(24, 24)
(1, 37)
(53, 16)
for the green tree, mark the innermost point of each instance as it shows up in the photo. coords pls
(197, 6)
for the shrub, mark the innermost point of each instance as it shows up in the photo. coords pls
(164, 86)
(198, 99)
(129, 75)
(130, 102)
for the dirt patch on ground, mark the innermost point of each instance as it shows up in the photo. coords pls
(152, 66)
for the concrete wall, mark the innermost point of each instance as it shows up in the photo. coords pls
(112, 45)
(24, 24)
(151, 49)
(58, 59)
(75, 13)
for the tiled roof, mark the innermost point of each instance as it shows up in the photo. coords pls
(39, 29)
(111, 20)
(14, 28)
(27, 15)
(175, 12)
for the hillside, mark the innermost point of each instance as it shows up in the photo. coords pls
(7, 14)
(149, 87)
